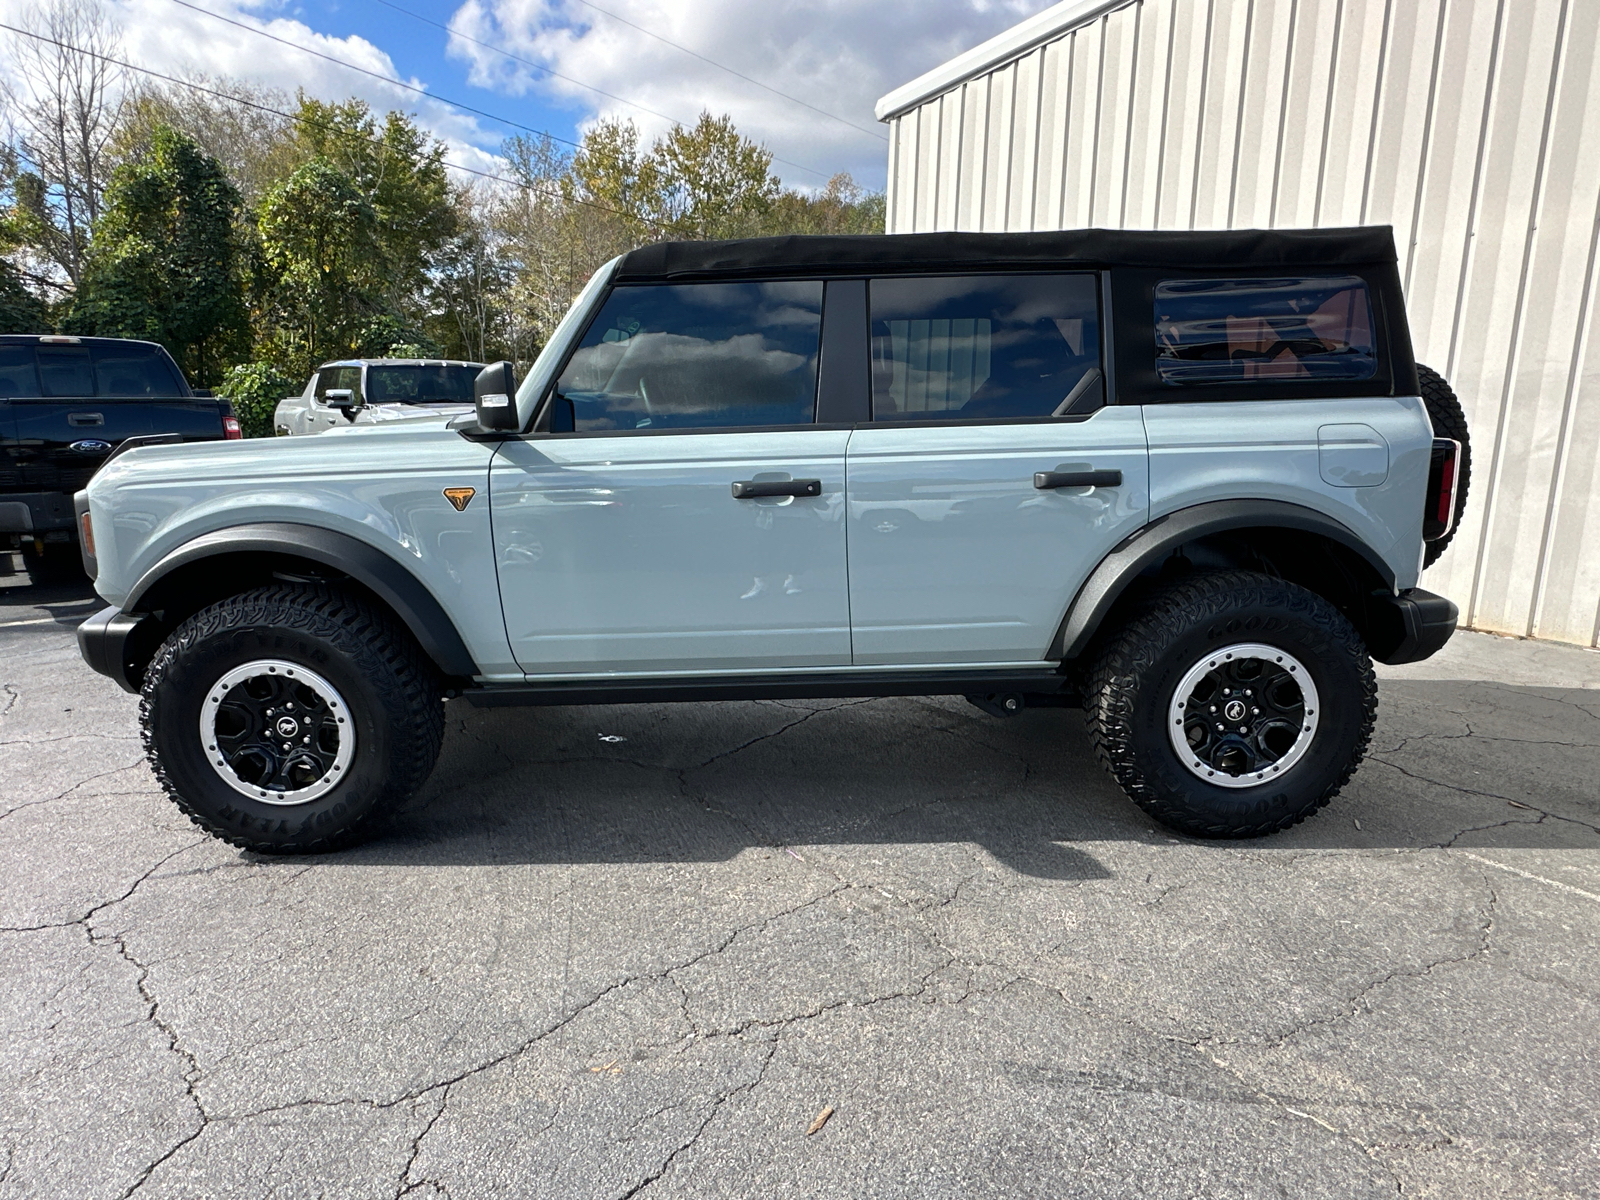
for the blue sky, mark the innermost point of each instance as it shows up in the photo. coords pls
(839, 56)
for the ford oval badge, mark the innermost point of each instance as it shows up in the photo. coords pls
(90, 446)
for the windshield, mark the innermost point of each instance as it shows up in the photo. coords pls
(420, 385)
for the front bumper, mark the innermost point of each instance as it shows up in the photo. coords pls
(1409, 627)
(119, 645)
(35, 512)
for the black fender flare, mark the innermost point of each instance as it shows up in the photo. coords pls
(1152, 542)
(381, 573)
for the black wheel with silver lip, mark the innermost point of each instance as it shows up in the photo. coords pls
(1232, 704)
(283, 719)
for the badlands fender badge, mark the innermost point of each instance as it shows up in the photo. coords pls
(460, 497)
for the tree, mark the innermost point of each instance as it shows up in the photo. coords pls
(67, 99)
(320, 248)
(164, 262)
(230, 120)
(399, 173)
(708, 182)
(21, 310)
(841, 207)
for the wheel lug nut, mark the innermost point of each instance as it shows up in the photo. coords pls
(1221, 728)
(1255, 712)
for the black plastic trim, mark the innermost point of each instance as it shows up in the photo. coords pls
(1154, 541)
(895, 682)
(104, 641)
(1409, 627)
(845, 372)
(397, 587)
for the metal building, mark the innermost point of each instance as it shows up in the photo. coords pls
(1471, 126)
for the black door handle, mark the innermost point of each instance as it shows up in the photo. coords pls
(1044, 480)
(752, 489)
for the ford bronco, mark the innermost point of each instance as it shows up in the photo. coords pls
(1186, 480)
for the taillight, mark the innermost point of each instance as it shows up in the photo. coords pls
(86, 526)
(1444, 472)
(230, 429)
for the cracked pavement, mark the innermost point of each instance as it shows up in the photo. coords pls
(581, 967)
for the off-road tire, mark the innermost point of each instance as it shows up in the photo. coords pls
(1449, 421)
(59, 565)
(390, 689)
(1133, 679)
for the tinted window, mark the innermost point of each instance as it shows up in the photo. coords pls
(17, 376)
(984, 346)
(131, 371)
(1244, 330)
(420, 385)
(339, 377)
(65, 371)
(696, 356)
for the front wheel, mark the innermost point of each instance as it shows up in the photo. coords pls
(283, 719)
(1233, 705)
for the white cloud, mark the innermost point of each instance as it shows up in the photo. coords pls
(165, 37)
(839, 55)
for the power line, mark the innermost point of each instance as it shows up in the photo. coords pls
(528, 62)
(324, 125)
(349, 66)
(713, 62)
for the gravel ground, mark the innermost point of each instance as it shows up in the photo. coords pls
(618, 951)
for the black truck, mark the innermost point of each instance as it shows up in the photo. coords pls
(66, 405)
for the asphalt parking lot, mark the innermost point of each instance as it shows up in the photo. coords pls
(629, 951)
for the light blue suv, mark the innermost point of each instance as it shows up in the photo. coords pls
(1186, 480)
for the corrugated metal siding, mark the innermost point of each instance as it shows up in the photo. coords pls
(1469, 125)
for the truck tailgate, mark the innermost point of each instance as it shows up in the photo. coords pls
(60, 443)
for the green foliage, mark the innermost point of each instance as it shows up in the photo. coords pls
(319, 242)
(20, 310)
(164, 264)
(255, 389)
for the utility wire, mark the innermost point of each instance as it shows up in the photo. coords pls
(323, 125)
(713, 62)
(528, 62)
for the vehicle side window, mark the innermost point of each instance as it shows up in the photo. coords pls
(1244, 330)
(65, 371)
(134, 371)
(696, 356)
(334, 378)
(985, 347)
(17, 374)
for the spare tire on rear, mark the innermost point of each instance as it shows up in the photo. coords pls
(1449, 421)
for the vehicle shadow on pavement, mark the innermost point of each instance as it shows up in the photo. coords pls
(1466, 764)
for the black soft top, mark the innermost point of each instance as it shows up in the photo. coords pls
(1358, 246)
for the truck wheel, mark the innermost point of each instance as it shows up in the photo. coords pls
(1449, 421)
(57, 565)
(282, 719)
(1233, 705)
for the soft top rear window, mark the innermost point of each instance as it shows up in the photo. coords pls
(1311, 328)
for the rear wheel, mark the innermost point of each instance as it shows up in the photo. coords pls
(1233, 705)
(282, 720)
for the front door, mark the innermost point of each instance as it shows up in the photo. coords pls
(993, 476)
(686, 515)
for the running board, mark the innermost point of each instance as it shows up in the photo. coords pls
(767, 687)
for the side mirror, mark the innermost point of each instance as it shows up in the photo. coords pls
(344, 400)
(494, 395)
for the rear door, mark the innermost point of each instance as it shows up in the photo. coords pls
(686, 513)
(993, 477)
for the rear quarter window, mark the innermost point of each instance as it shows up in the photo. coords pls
(1268, 330)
